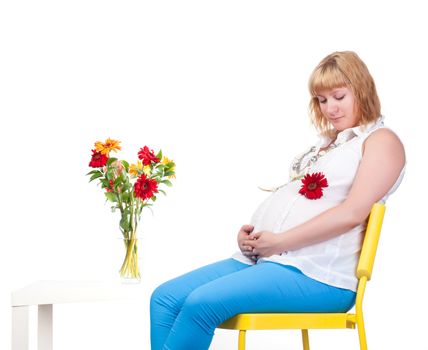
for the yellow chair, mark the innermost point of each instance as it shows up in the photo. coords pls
(305, 321)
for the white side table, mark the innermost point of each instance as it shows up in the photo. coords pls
(46, 293)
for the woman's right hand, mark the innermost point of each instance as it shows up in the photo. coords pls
(243, 235)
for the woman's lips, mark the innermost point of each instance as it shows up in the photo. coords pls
(334, 119)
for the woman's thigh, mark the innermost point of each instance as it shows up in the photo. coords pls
(265, 287)
(269, 287)
(175, 291)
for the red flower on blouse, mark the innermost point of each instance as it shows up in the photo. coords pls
(145, 188)
(312, 185)
(98, 159)
(147, 156)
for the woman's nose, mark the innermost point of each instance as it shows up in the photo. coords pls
(332, 107)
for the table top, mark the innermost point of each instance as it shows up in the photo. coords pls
(56, 292)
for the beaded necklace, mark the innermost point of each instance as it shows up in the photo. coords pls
(299, 170)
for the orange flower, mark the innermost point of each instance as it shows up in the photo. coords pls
(108, 146)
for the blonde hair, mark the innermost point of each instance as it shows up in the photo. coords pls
(341, 69)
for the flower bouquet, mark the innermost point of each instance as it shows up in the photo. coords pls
(130, 188)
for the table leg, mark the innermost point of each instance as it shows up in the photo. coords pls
(20, 327)
(44, 332)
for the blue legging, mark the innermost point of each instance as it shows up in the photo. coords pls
(186, 310)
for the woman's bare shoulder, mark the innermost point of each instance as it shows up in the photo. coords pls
(385, 140)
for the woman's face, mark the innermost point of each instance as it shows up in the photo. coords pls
(338, 106)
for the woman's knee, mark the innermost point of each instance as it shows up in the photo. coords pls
(161, 295)
(205, 308)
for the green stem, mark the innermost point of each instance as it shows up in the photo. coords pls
(130, 264)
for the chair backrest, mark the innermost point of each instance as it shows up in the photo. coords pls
(371, 239)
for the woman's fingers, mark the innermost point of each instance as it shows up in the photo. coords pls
(248, 250)
(246, 242)
(255, 235)
(247, 228)
(252, 242)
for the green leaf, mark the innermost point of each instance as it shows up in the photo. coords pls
(159, 155)
(93, 172)
(125, 197)
(124, 223)
(167, 182)
(161, 167)
(110, 174)
(111, 196)
(95, 176)
(162, 191)
(126, 165)
(117, 182)
(123, 178)
(111, 160)
(126, 187)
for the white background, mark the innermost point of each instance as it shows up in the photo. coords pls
(221, 87)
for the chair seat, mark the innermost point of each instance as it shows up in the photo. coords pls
(290, 321)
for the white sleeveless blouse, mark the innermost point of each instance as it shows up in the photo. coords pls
(333, 261)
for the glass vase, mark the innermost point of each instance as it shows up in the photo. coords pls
(130, 270)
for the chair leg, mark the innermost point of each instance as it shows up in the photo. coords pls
(241, 340)
(362, 335)
(305, 339)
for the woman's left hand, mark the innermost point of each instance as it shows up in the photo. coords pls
(264, 244)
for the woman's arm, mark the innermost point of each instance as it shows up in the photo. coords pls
(382, 161)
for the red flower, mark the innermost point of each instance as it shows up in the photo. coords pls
(312, 185)
(147, 156)
(110, 187)
(98, 159)
(145, 188)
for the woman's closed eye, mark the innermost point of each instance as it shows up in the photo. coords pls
(337, 98)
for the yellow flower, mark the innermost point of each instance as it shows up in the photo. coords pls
(147, 170)
(108, 146)
(166, 160)
(134, 169)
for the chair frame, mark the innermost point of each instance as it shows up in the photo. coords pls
(306, 321)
